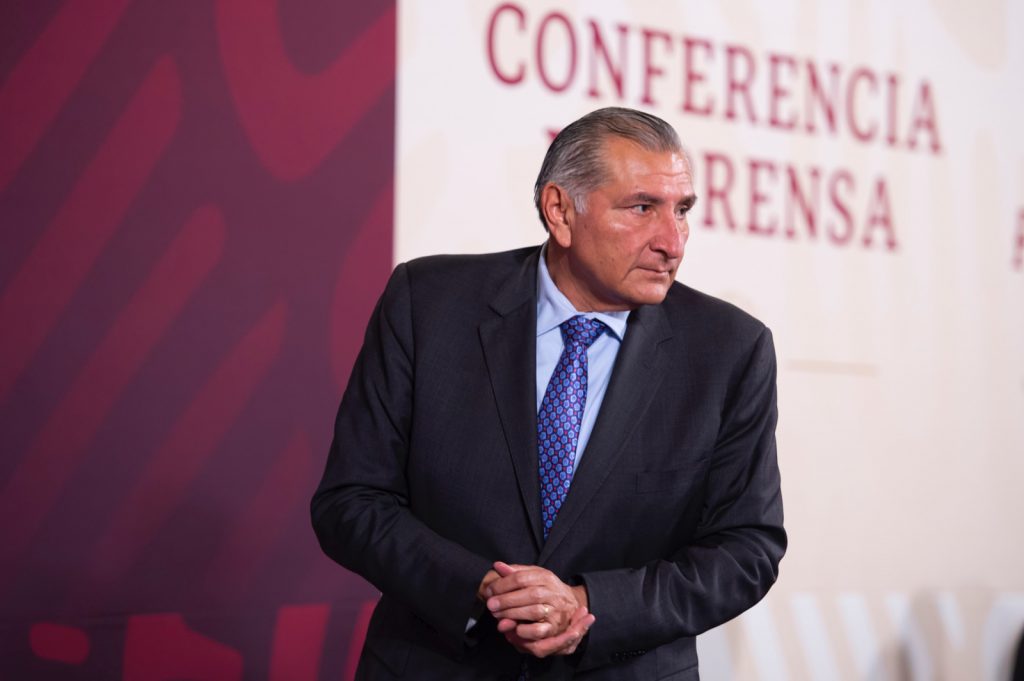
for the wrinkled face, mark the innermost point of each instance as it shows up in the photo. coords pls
(624, 249)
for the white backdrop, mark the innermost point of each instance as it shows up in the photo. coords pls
(860, 167)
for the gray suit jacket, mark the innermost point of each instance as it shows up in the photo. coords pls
(674, 517)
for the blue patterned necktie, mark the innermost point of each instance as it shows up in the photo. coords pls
(560, 415)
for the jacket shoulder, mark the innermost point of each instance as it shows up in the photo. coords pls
(686, 305)
(712, 328)
(465, 277)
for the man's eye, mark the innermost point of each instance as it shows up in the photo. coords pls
(682, 211)
(641, 208)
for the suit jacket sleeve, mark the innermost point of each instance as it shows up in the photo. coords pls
(360, 510)
(734, 556)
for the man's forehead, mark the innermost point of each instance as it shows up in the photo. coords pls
(628, 160)
(623, 147)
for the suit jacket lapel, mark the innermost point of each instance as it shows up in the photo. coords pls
(638, 371)
(509, 342)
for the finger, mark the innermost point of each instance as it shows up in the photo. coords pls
(506, 625)
(552, 645)
(532, 613)
(563, 644)
(580, 614)
(580, 630)
(505, 569)
(584, 626)
(514, 639)
(537, 631)
(526, 573)
(525, 578)
(534, 595)
(560, 616)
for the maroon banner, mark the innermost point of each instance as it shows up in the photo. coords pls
(196, 211)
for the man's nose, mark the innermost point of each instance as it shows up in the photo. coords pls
(671, 235)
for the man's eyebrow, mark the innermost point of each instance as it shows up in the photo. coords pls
(644, 197)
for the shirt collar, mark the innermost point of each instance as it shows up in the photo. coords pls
(553, 307)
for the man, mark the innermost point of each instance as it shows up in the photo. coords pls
(558, 462)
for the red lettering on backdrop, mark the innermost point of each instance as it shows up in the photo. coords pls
(503, 76)
(542, 69)
(809, 207)
(893, 82)
(924, 119)
(692, 76)
(880, 216)
(739, 83)
(863, 134)
(788, 92)
(758, 197)
(801, 197)
(779, 91)
(650, 70)
(163, 648)
(718, 193)
(826, 101)
(840, 233)
(614, 70)
(1018, 254)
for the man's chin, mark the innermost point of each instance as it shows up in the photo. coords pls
(650, 295)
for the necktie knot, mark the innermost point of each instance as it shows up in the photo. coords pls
(581, 330)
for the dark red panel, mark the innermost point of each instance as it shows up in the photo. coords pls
(196, 201)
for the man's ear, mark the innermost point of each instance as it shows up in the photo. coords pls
(559, 212)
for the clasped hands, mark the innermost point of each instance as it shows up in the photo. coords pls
(537, 612)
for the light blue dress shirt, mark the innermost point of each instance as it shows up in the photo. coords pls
(553, 308)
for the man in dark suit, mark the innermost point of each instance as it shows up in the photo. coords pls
(558, 462)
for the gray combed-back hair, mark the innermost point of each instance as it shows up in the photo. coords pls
(575, 158)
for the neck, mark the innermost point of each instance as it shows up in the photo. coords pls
(560, 269)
